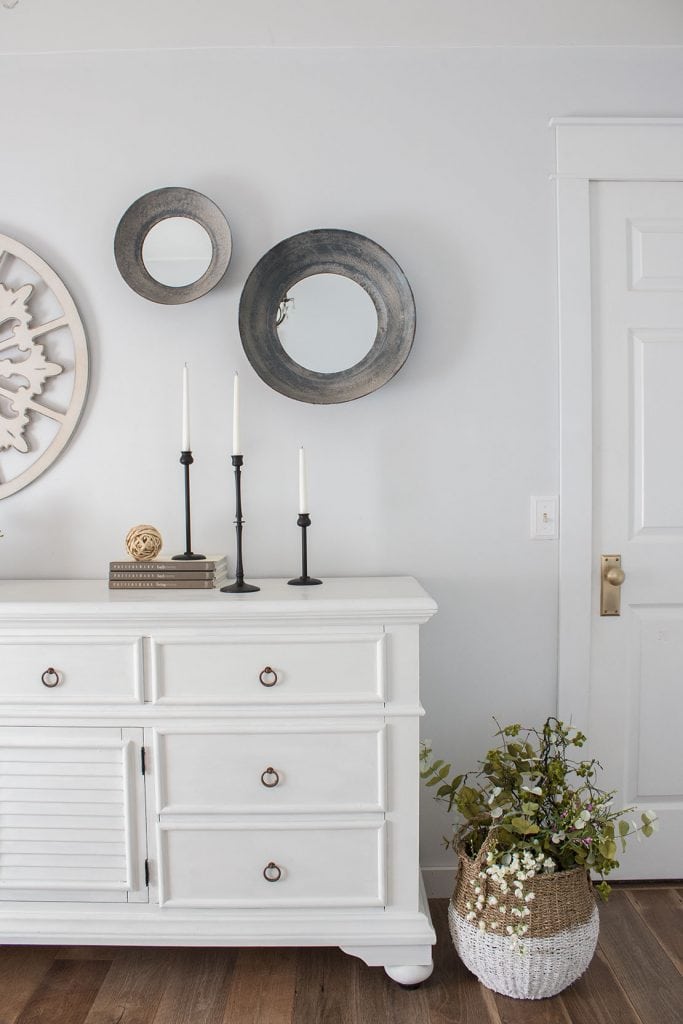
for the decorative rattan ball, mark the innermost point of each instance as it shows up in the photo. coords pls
(143, 542)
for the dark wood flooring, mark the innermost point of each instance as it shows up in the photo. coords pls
(635, 978)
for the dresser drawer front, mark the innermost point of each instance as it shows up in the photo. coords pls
(57, 670)
(270, 670)
(330, 865)
(265, 770)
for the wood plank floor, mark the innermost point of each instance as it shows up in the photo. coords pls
(635, 978)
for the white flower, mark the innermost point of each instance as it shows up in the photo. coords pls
(529, 897)
(482, 926)
(471, 916)
(497, 812)
(502, 910)
(494, 925)
(537, 790)
(509, 929)
(557, 837)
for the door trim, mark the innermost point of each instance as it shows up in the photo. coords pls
(588, 150)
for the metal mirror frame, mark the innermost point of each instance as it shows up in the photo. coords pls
(143, 215)
(327, 251)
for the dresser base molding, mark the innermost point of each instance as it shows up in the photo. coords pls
(402, 945)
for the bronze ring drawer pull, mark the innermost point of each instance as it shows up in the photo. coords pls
(50, 678)
(272, 873)
(272, 774)
(268, 671)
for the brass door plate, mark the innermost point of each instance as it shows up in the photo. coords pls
(610, 595)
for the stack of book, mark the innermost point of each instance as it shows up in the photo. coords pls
(204, 574)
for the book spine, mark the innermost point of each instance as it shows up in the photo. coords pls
(164, 584)
(162, 575)
(176, 567)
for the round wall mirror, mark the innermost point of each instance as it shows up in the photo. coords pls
(327, 316)
(177, 251)
(172, 245)
(327, 323)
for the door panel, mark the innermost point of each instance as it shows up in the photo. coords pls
(71, 815)
(636, 692)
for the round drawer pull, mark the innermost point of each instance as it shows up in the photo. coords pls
(268, 671)
(270, 778)
(272, 873)
(50, 678)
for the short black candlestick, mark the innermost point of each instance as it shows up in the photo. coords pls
(304, 521)
(186, 461)
(239, 586)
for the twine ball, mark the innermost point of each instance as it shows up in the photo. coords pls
(143, 542)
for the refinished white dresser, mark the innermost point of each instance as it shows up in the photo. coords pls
(195, 768)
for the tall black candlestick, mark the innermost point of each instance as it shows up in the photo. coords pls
(304, 521)
(186, 461)
(239, 586)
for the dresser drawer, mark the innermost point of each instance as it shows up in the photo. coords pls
(330, 865)
(294, 669)
(57, 670)
(265, 770)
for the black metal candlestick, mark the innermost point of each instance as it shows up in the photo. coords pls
(304, 521)
(239, 586)
(186, 461)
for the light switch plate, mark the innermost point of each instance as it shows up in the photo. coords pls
(545, 517)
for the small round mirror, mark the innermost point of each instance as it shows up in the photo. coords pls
(177, 251)
(327, 323)
(172, 245)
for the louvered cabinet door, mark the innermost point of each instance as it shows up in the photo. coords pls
(71, 815)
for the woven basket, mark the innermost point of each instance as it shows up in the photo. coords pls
(554, 952)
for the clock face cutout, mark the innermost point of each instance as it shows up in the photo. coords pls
(43, 366)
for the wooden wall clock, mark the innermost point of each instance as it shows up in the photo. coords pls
(43, 366)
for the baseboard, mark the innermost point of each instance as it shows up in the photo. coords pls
(439, 882)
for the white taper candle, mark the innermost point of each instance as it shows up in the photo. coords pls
(185, 442)
(236, 444)
(303, 483)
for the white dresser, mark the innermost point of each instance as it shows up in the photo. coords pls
(195, 768)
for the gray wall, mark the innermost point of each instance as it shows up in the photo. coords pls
(443, 156)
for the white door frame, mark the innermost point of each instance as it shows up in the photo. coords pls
(589, 149)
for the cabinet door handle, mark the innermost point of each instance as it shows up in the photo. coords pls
(268, 671)
(272, 873)
(50, 678)
(270, 778)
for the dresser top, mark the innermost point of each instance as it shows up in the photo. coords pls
(395, 595)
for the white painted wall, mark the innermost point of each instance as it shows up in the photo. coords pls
(444, 157)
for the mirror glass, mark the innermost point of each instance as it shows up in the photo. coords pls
(327, 323)
(177, 251)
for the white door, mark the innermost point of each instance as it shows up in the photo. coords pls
(635, 707)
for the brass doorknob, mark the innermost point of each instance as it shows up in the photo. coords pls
(615, 576)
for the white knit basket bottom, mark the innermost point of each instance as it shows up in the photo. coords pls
(546, 966)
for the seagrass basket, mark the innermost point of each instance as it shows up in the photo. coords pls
(558, 946)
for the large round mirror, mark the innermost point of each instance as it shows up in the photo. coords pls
(327, 316)
(327, 323)
(177, 251)
(172, 245)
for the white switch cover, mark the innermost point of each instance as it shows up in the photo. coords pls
(544, 517)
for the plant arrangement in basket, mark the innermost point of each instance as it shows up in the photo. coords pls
(530, 810)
